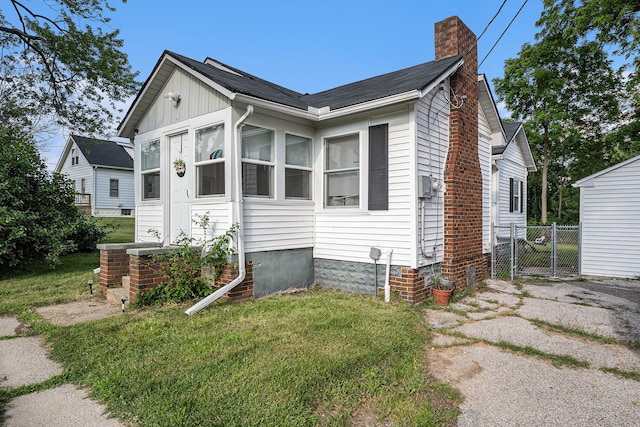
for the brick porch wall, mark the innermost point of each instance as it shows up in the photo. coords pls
(145, 275)
(114, 264)
(463, 177)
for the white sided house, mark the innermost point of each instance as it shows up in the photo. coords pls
(318, 182)
(102, 172)
(512, 162)
(609, 206)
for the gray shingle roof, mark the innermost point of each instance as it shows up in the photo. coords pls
(394, 83)
(397, 82)
(510, 129)
(100, 152)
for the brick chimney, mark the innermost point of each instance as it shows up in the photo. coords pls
(462, 175)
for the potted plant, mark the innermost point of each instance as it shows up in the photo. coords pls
(442, 290)
(180, 167)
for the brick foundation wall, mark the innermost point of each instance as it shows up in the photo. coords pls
(410, 285)
(145, 275)
(243, 290)
(114, 264)
(462, 176)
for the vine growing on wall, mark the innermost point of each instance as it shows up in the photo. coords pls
(183, 267)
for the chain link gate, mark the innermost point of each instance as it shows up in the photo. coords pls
(519, 251)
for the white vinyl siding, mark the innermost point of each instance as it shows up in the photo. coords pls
(610, 223)
(511, 167)
(275, 226)
(219, 213)
(348, 234)
(484, 155)
(125, 199)
(149, 217)
(432, 122)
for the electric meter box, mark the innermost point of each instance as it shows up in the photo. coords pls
(427, 187)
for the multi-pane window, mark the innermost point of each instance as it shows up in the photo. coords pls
(515, 203)
(74, 157)
(342, 171)
(150, 169)
(257, 161)
(297, 171)
(114, 188)
(210, 160)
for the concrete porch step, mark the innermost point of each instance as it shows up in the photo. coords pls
(114, 295)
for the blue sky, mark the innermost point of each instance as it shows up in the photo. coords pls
(310, 46)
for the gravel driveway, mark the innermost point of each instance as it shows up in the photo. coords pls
(543, 354)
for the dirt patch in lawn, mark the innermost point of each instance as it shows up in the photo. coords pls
(77, 311)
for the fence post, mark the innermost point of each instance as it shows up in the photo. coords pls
(513, 249)
(579, 249)
(493, 251)
(554, 251)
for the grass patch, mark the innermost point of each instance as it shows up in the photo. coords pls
(556, 360)
(320, 358)
(121, 230)
(630, 375)
(38, 285)
(578, 333)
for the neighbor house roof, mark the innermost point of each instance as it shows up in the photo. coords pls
(232, 81)
(514, 133)
(588, 181)
(101, 152)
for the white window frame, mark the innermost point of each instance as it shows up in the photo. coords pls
(289, 166)
(271, 164)
(150, 171)
(328, 172)
(214, 158)
(113, 188)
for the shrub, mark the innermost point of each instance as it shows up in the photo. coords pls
(183, 267)
(38, 217)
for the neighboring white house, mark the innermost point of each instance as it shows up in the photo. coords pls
(102, 172)
(316, 181)
(609, 206)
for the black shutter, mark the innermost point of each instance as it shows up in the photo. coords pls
(510, 194)
(379, 167)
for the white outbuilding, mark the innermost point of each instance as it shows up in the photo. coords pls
(609, 206)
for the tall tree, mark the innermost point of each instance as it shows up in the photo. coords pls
(566, 93)
(60, 61)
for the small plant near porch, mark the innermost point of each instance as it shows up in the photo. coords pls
(183, 266)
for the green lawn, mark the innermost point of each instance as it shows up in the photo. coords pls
(121, 230)
(317, 358)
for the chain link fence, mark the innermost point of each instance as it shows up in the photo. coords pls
(519, 251)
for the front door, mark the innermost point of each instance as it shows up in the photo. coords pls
(179, 194)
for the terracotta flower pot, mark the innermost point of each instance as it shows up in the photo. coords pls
(441, 297)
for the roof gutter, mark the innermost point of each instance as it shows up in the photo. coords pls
(236, 218)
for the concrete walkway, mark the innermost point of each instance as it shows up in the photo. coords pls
(481, 348)
(25, 361)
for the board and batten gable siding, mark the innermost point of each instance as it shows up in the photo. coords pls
(611, 224)
(511, 166)
(484, 156)
(126, 197)
(432, 134)
(196, 98)
(347, 234)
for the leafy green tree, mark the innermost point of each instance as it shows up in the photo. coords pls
(567, 94)
(61, 64)
(38, 218)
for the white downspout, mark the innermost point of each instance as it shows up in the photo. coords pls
(387, 285)
(237, 217)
